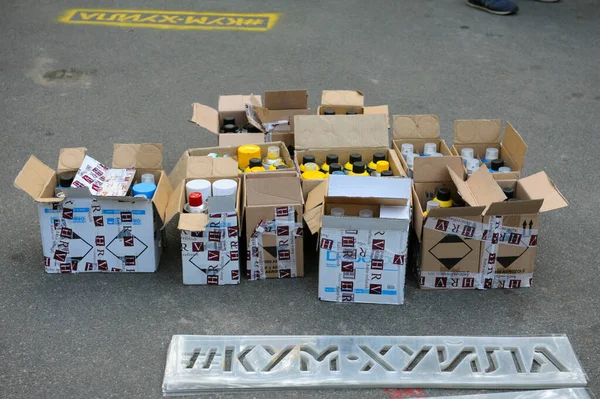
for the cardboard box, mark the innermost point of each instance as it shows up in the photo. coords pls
(443, 260)
(510, 230)
(480, 134)
(361, 259)
(417, 130)
(200, 165)
(210, 253)
(320, 135)
(342, 101)
(86, 233)
(228, 106)
(273, 207)
(464, 247)
(281, 105)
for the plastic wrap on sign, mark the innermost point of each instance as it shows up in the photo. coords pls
(366, 266)
(286, 230)
(565, 393)
(204, 364)
(211, 257)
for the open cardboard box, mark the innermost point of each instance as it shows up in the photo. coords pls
(480, 134)
(209, 242)
(417, 130)
(441, 256)
(231, 153)
(86, 233)
(342, 101)
(273, 207)
(510, 229)
(228, 106)
(361, 259)
(479, 245)
(320, 135)
(280, 105)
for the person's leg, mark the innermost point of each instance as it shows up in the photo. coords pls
(500, 7)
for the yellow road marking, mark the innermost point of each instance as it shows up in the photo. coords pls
(180, 20)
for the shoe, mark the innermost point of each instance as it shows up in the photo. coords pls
(499, 7)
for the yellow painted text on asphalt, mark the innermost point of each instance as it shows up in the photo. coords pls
(182, 20)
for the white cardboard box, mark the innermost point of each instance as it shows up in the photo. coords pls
(210, 252)
(85, 233)
(211, 256)
(361, 259)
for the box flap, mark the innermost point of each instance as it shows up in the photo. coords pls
(416, 127)
(162, 195)
(139, 156)
(82, 192)
(206, 117)
(471, 131)
(368, 187)
(70, 159)
(221, 204)
(177, 175)
(175, 203)
(378, 109)
(317, 195)
(539, 186)
(450, 212)
(236, 102)
(514, 144)
(262, 114)
(484, 188)
(355, 223)
(202, 167)
(418, 218)
(286, 99)
(255, 100)
(314, 218)
(395, 164)
(321, 131)
(481, 189)
(435, 169)
(462, 188)
(272, 115)
(193, 221)
(225, 167)
(273, 190)
(238, 139)
(34, 178)
(342, 97)
(527, 207)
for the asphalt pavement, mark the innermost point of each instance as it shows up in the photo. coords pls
(71, 85)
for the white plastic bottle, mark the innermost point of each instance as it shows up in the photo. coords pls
(429, 149)
(410, 162)
(472, 166)
(490, 155)
(365, 213)
(337, 212)
(406, 149)
(466, 154)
